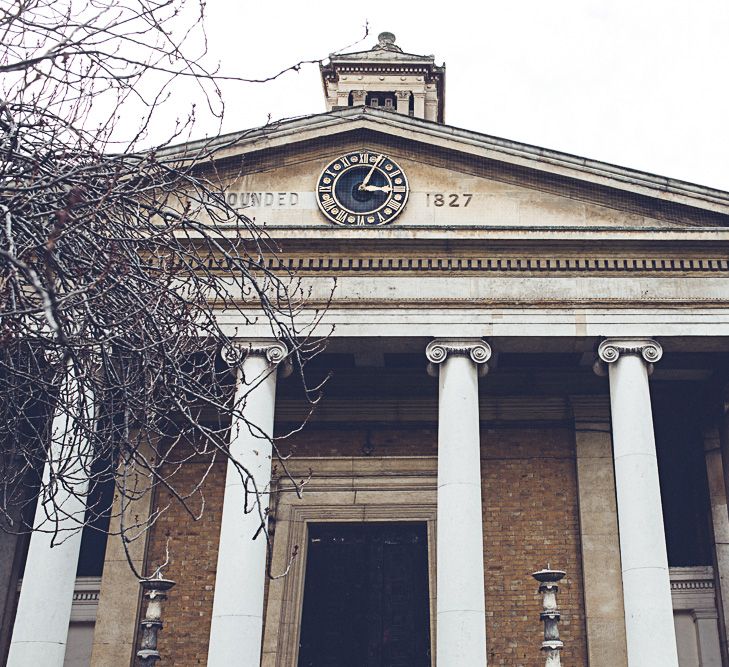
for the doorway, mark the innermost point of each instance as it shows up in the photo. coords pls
(366, 598)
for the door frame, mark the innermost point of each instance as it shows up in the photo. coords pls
(344, 489)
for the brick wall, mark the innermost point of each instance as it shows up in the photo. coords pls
(530, 518)
(193, 549)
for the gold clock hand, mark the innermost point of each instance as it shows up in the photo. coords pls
(363, 184)
(376, 188)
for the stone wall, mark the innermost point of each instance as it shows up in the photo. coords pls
(530, 518)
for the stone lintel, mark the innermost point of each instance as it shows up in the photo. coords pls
(591, 412)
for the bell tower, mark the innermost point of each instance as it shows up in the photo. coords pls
(387, 78)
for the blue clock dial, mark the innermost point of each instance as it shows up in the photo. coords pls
(362, 188)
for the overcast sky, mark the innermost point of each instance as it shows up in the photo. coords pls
(639, 83)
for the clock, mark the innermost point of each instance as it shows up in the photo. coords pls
(362, 189)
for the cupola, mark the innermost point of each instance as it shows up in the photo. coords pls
(387, 78)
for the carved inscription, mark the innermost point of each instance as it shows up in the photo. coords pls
(450, 199)
(263, 199)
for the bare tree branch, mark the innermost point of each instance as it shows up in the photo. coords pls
(116, 263)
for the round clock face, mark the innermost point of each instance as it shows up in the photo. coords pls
(362, 189)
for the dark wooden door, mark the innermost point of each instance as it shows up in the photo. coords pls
(366, 596)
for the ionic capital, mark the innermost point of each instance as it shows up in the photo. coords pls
(611, 349)
(274, 351)
(438, 350)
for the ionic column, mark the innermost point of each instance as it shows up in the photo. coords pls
(650, 634)
(359, 98)
(237, 620)
(403, 101)
(40, 631)
(461, 611)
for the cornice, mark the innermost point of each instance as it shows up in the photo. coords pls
(415, 235)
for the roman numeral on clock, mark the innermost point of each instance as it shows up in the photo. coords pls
(394, 205)
(398, 188)
(325, 188)
(342, 216)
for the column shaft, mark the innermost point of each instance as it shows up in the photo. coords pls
(40, 631)
(461, 612)
(237, 620)
(651, 638)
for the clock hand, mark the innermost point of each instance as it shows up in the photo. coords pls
(375, 188)
(363, 184)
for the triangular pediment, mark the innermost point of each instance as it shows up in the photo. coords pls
(457, 179)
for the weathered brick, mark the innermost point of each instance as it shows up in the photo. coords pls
(530, 519)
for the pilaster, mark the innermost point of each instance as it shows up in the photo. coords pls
(605, 617)
(419, 105)
(720, 526)
(117, 616)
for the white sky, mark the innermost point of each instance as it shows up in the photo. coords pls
(638, 83)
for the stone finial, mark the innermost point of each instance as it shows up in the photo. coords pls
(155, 592)
(386, 40)
(552, 646)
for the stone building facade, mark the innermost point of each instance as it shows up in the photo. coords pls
(529, 355)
